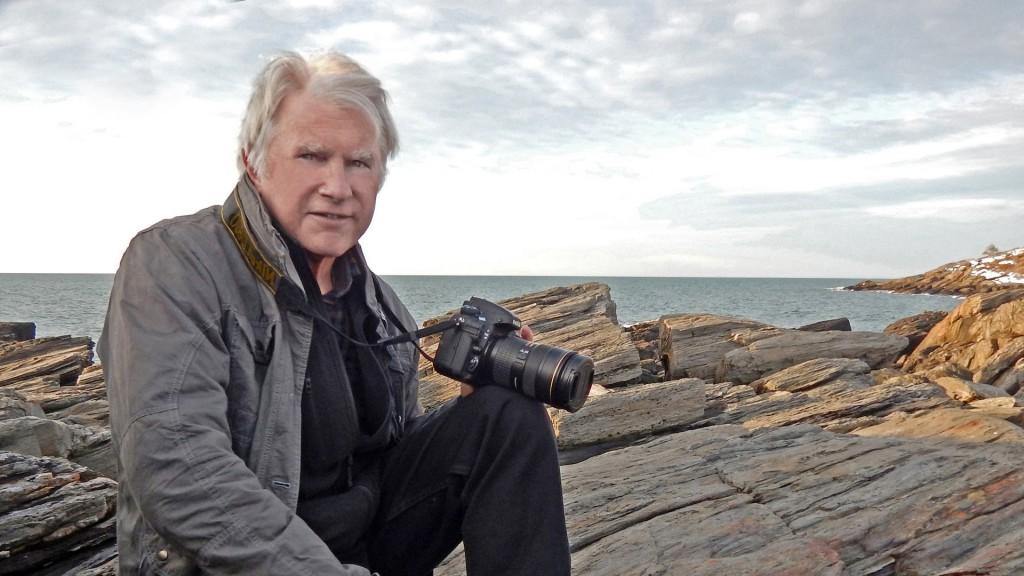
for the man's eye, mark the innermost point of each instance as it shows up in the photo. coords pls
(310, 156)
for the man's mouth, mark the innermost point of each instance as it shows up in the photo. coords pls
(329, 215)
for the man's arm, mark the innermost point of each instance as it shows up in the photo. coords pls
(167, 369)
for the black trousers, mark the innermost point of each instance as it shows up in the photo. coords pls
(482, 469)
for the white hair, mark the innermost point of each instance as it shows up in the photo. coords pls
(330, 75)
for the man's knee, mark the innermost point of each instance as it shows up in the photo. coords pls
(510, 411)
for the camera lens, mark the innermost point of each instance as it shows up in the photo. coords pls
(561, 378)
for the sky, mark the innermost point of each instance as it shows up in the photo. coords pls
(817, 138)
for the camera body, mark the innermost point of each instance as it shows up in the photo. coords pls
(481, 348)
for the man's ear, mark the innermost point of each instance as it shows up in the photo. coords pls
(248, 167)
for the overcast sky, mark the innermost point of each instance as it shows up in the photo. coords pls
(715, 138)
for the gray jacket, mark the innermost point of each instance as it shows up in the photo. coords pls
(205, 369)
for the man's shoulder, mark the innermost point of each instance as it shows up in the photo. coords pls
(185, 223)
(201, 236)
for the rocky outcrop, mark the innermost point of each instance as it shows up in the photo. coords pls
(720, 445)
(54, 515)
(1000, 271)
(580, 318)
(57, 469)
(798, 501)
(982, 336)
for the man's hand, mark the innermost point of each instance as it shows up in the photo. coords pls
(525, 333)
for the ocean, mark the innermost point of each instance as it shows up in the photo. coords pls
(76, 303)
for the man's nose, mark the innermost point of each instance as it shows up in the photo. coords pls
(337, 185)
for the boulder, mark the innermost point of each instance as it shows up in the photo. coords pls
(580, 318)
(972, 335)
(692, 345)
(841, 324)
(632, 413)
(967, 391)
(17, 331)
(791, 347)
(813, 373)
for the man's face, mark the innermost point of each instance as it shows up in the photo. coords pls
(323, 170)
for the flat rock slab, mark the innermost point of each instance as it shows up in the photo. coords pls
(632, 413)
(62, 357)
(797, 501)
(792, 347)
(835, 404)
(814, 373)
(950, 423)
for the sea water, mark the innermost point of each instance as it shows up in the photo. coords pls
(76, 303)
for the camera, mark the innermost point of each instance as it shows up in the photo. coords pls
(480, 347)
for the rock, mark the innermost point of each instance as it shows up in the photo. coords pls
(692, 345)
(645, 337)
(797, 501)
(840, 324)
(951, 423)
(632, 413)
(813, 373)
(14, 405)
(973, 333)
(17, 331)
(996, 402)
(61, 358)
(883, 374)
(830, 404)
(1012, 379)
(34, 436)
(52, 512)
(94, 413)
(792, 347)
(579, 318)
(1005, 357)
(992, 273)
(52, 397)
(1014, 415)
(967, 391)
(915, 327)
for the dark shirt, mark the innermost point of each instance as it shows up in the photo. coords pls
(341, 378)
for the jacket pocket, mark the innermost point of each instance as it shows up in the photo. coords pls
(250, 349)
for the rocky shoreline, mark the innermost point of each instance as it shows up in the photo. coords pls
(710, 444)
(991, 273)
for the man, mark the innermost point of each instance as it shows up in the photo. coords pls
(257, 428)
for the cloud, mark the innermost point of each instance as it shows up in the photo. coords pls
(705, 138)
